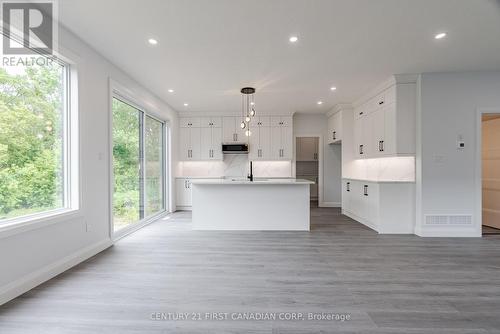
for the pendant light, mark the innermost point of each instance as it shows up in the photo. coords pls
(247, 108)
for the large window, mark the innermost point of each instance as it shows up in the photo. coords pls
(138, 164)
(33, 140)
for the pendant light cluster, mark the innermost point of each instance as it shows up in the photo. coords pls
(247, 108)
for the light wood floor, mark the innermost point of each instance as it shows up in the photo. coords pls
(388, 284)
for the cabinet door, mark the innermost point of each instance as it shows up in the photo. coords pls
(337, 126)
(286, 143)
(275, 153)
(184, 143)
(331, 129)
(263, 121)
(286, 121)
(359, 148)
(254, 145)
(241, 137)
(216, 122)
(368, 141)
(228, 129)
(195, 143)
(205, 122)
(275, 121)
(378, 139)
(183, 192)
(346, 195)
(217, 143)
(390, 146)
(206, 144)
(265, 143)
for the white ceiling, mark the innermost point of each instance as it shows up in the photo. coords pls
(209, 49)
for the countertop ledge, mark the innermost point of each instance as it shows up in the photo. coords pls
(377, 181)
(255, 182)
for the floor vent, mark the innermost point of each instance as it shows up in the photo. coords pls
(440, 220)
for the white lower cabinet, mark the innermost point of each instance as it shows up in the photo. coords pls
(183, 193)
(386, 207)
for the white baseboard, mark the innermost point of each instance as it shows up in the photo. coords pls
(447, 233)
(330, 204)
(30, 281)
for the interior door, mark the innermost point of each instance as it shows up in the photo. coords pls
(491, 171)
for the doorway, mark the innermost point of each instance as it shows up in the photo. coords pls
(490, 182)
(307, 164)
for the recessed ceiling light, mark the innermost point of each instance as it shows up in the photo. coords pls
(319, 102)
(186, 104)
(152, 41)
(440, 35)
(293, 39)
(252, 103)
(333, 88)
(170, 90)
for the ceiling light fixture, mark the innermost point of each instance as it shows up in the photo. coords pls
(247, 108)
(186, 104)
(170, 90)
(293, 39)
(440, 35)
(333, 88)
(152, 41)
(319, 102)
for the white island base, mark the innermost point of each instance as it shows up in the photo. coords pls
(281, 205)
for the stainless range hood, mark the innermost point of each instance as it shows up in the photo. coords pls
(235, 148)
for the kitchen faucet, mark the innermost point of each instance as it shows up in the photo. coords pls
(250, 177)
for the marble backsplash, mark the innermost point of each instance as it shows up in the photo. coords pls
(234, 165)
(382, 169)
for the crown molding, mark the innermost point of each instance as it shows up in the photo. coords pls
(339, 107)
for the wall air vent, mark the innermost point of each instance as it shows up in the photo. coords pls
(448, 220)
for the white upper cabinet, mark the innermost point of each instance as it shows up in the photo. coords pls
(190, 143)
(385, 124)
(232, 131)
(335, 128)
(201, 138)
(281, 140)
(211, 143)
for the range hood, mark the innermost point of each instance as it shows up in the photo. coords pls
(235, 148)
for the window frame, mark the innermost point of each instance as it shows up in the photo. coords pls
(70, 161)
(126, 96)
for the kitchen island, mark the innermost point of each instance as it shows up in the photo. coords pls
(265, 204)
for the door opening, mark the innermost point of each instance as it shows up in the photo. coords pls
(307, 164)
(490, 161)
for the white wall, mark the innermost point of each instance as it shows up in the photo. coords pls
(445, 175)
(30, 257)
(305, 125)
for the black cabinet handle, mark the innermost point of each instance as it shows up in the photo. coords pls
(334, 135)
(381, 102)
(361, 113)
(381, 144)
(365, 190)
(348, 186)
(360, 149)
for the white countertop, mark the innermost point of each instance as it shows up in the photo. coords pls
(377, 181)
(239, 181)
